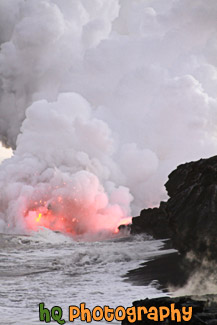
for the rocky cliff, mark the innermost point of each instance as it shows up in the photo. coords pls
(189, 217)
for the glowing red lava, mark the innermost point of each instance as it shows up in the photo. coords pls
(60, 216)
(45, 215)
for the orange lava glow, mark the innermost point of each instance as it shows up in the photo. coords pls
(124, 222)
(61, 216)
(40, 216)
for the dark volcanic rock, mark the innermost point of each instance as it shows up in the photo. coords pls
(204, 310)
(189, 217)
(170, 270)
(154, 221)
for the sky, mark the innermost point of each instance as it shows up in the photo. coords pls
(5, 153)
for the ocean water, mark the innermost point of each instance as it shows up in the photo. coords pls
(60, 271)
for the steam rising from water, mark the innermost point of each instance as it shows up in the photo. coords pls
(101, 100)
(203, 280)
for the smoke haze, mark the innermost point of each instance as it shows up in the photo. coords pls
(100, 100)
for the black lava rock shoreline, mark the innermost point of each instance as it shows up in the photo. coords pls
(189, 217)
(189, 220)
(204, 310)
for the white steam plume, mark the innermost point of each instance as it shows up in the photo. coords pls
(103, 96)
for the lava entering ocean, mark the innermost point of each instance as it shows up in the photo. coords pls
(70, 217)
(43, 216)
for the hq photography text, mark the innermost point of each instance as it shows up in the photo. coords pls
(98, 313)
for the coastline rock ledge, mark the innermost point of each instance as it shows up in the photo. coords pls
(204, 310)
(189, 217)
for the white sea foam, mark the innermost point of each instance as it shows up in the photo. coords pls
(49, 268)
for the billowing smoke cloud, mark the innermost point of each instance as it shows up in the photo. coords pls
(62, 170)
(101, 99)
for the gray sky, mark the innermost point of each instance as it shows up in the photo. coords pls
(4, 153)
